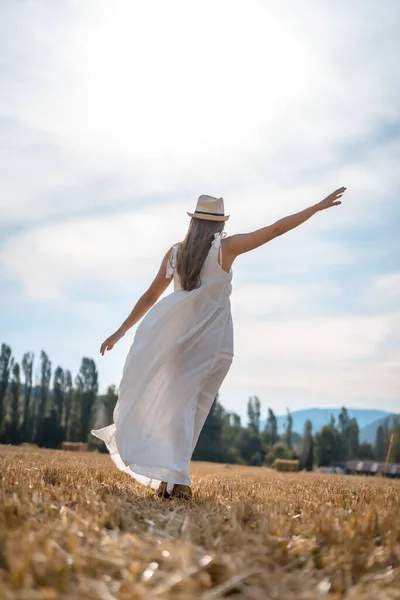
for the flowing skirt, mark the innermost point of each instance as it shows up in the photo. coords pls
(181, 353)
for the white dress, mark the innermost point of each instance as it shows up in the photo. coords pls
(181, 353)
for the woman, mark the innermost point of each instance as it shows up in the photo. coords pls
(183, 349)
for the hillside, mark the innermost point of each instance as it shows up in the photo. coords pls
(321, 416)
(368, 433)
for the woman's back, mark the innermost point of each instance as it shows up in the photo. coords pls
(214, 281)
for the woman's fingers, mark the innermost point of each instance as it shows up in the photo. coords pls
(107, 345)
(335, 196)
(103, 347)
(332, 199)
(339, 191)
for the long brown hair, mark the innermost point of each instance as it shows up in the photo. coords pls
(192, 252)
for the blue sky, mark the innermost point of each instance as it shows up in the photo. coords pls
(116, 116)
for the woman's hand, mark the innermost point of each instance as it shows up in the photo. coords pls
(331, 200)
(110, 342)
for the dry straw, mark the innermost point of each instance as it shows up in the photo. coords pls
(73, 527)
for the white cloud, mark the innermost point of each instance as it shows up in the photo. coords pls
(115, 117)
(314, 340)
(322, 362)
(167, 100)
(256, 301)
(299, 359)
(121, 253)
(385, 291)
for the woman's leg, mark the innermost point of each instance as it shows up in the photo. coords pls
(162, 491)
(205, 401)
(183, 492)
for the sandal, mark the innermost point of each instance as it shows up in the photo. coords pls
(181, 491)
(162, 491)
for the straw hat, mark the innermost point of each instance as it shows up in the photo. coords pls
(210, 209)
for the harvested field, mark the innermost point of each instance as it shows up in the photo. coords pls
(73, 527)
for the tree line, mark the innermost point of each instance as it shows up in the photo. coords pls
(58, 408)
(224, 439)
(62, 408)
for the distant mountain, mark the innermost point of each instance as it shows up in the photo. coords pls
(368, 433)
(321, 416)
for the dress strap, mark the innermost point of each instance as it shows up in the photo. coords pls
(171, 264)
(217, 243)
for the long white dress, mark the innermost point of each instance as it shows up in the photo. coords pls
(181, 353)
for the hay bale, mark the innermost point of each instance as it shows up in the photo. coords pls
(289, 466)
(75, 446)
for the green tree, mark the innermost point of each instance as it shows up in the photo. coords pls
(87, 385)
(209, 445)
(232, 438)
(329, 446)
(254, 413)
(59, 392)
(307, 447)
(350, 432)
(271, 429)
(344, 421)
(251, 449)
(236, 421)
(74, 427)
(353, 441)
(365, 451)
(27, 367)
(309, 461)
(68, 390)
(15, 389)
(395, 432)
(278, 450)
(380, 444)
(386, 430)
(5, 367)
(45, 377)
(109, 402)
(34, 410)
(289, 429)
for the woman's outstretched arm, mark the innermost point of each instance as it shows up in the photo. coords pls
(244, 242)
(141, 307)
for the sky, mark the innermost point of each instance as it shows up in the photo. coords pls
(116, 116)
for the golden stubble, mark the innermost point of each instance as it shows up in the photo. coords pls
(73, 527)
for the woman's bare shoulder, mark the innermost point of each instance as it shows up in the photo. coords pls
(239, 243)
